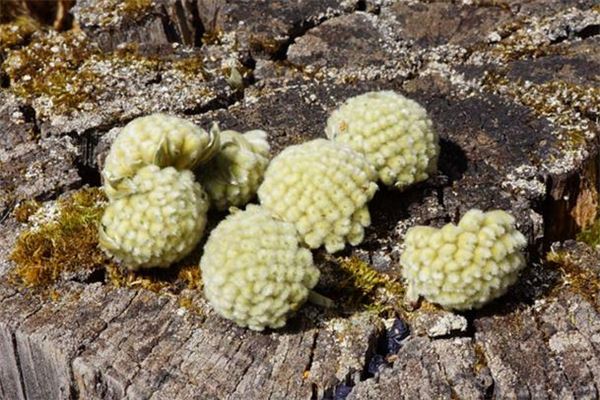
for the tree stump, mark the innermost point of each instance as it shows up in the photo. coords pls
(513, 89)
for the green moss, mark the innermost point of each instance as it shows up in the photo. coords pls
(67, 72)
(135, 8)
(188, 302)
(591, 235)
(502, 4)
(49, 67)
(480, 360)
(212, 35)
(17, 32)
(518, 43)
(67, 243)
(26, 209)
(264, 44)
(579, 279)
(129, 56)
(359, 286)
(184, 275)
(522, 37)
(191, 67)
(110, 12)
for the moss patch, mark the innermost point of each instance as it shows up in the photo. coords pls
(134, 8)
(112, 12)
(480, 360)
(64, 238)
(574, 275)
(48, 67)
(65, 243)
(184, 275)
(66, 72)
(591, 235)
(358, 286)
(17, 32)
(26, 209)
(523, 38)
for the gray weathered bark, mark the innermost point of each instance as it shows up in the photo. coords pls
(512, 88)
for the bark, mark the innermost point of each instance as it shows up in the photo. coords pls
(513, 91)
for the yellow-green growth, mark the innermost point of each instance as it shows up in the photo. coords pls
(480, 360)
(17, 32)
(26, 209)
(135, 7)
(67, 243)
(364, 287)
(173, 280)
(49, 67)
(112, 12)
(574, 275)
(591, 235)
(60, 70)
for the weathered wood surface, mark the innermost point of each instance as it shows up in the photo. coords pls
(512, 87)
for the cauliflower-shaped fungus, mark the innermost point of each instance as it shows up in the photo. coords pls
(392, 131)
(464, 266)
(254, 271)
(159, 221)
(157, 139)
(233, 175)
(322, 188)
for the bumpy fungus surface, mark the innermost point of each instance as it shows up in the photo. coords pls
(322, 188)
(254, 271)
(464, 266)
(156, 139)
(393, 132)
(159, 221)
(232, 177)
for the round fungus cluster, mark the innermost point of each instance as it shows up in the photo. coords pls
(232, 177)
(392, 131)
(322, 187)
(254, 271)
(156, 139)
(255, 268)
(159, 221)
(464, 266)
(157, 212)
